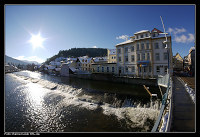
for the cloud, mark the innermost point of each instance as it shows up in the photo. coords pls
(184, 38)
(124, 37)
(94, 47)
(176, 30)
(31, 58)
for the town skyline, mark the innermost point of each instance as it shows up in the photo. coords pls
(63, 27)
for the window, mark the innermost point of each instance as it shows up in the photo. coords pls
(133, 69)
(119, 50)
(141, 36)
(137, 37)
(143, 56)
(119, 59)
(154, 34)
(156, 46)
(149, 68)
(126, 69)
(126, 50)
(102, 69)
(147, 46)
(157, 56)
(113, 69)
(138, 57)
(158, 69)
(132, 48)
(165, 56)
(142, 46)
(148, 56)
(132, 58)
(138, 46)
(147, 35)
(163, 45)
(97, 69)
(145, 69)
(165, 69)
(140, 69)
(107, 69)
(126, 58)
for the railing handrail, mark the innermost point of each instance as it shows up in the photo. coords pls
(162, 108)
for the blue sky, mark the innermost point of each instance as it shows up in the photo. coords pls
(103, 26)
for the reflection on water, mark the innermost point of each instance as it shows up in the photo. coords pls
(42, 103)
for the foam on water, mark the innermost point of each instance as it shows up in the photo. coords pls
(136, 114)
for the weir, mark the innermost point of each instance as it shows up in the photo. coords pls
(135, 113)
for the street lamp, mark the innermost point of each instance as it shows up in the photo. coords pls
(165, 42)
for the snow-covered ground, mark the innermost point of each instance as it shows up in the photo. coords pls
(189, 90)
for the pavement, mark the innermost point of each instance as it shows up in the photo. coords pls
(183, 114)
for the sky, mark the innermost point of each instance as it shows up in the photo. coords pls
(62, 27)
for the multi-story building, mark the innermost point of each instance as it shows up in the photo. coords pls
(144, 54)
(86, 63)
(111, 55)
(177, 62)
(191, 60)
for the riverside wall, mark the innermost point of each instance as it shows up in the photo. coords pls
(117, 79)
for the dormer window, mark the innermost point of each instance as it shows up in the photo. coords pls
(141, 36)
(154, 34)
(147, 35)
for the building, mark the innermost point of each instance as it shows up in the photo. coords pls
(106, 68)
(178, 63)
(86, 63)
(64, 71)
(191, 61)
(111, 55)
(144, 54)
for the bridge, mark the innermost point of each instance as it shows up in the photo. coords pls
(177, 113)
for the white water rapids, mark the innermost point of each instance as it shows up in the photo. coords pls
(136, 115)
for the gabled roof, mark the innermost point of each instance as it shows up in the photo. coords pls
(156, 30)
(142, 31)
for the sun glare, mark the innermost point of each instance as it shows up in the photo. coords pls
(37, 41)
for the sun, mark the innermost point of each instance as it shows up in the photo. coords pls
(37, 41)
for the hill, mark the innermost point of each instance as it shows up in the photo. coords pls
(17, 62)
(78, 52)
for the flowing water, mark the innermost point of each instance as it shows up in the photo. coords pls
(36, 102)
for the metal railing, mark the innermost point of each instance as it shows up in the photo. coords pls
(166, 103)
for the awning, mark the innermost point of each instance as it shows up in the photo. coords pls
(143, 62)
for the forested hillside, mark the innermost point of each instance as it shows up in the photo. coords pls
(78, 52)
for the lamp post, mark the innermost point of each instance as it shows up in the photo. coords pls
(165, 42)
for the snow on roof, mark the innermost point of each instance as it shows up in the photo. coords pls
(125, 42)
(112, 51)
(142, 31)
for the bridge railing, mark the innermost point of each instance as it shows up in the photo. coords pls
(163, 121)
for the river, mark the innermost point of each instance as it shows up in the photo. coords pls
(37, 102)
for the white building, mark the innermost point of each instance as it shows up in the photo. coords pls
(144, 54)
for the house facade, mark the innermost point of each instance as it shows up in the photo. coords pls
(111, 55)
(106, 68)
(144, 54)
(178, 62)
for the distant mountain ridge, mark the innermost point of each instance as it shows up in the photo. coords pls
(78, 52)
(17, 62)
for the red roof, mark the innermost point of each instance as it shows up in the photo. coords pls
(156, 30)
